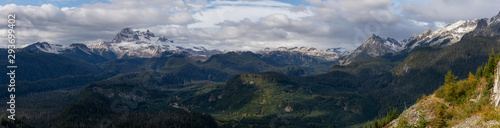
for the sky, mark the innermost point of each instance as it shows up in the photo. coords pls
(237, 24)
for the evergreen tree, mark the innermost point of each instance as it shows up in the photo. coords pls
(450, 78)
(479, 71)
(491, 64)
(450, 92)
(472, 78)
(439, 120)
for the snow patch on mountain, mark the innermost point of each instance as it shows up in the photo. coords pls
(340, 50)
(495, 19)
(394, 44)
(46, 47)
(329, 55)
(445, 36)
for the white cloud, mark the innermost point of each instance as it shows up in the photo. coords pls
(221, 13)
(450, 10)
(241, 25)
(92, 21)
(420, 23)
(268, 3)
(439, 24)
(276, 20)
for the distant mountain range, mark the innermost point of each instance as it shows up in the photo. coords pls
(136, 44)
(127, 44)
(446, 36)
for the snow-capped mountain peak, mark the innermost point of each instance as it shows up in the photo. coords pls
(371, 47)
(127, 35)
(376, 41)
(45, 47)
(146, 45)
(445, 36)
(130, 43)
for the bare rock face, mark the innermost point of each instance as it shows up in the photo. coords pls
(496, 88)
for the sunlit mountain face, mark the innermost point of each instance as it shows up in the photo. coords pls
(250, 63)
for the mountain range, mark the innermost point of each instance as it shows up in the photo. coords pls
(140, 79)
(136, 44)
(126, 44)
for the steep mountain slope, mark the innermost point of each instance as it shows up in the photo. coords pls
(372, 47)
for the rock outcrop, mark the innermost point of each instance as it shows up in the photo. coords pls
(495, 97)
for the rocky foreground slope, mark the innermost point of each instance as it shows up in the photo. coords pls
(467, 103)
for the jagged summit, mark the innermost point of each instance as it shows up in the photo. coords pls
(127, 35)
(373, 46)
(374, 41)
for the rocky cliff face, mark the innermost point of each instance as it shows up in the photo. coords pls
(495, 97)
